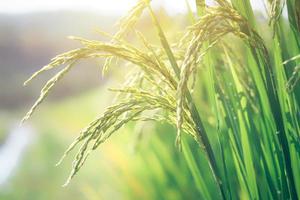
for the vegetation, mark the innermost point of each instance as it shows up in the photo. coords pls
(226, 82)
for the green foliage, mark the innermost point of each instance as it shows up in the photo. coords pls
(247, 128)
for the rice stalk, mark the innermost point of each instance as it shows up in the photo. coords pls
(254, 127)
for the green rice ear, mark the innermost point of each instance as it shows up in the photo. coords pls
(275, 8)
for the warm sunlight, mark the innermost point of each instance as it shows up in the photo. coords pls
(149, 99)
(17, 6)
(103, 6)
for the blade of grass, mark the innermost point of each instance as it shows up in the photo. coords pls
(202, 135)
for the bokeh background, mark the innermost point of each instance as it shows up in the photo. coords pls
(129, 166)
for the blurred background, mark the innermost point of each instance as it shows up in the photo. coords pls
(126, 167)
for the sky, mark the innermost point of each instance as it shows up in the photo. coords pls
(103, 6)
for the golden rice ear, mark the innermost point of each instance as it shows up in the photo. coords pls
(126, 24)
(64, 58)
(130, 108)
(46, 90)
(245, 115)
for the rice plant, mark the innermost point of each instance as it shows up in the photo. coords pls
(233, 90)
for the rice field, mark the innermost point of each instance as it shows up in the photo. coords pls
(227, 83)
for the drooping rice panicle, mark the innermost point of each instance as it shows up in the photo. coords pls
(275, 11)
(126, 24)
(249, 133)
(46, 90)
